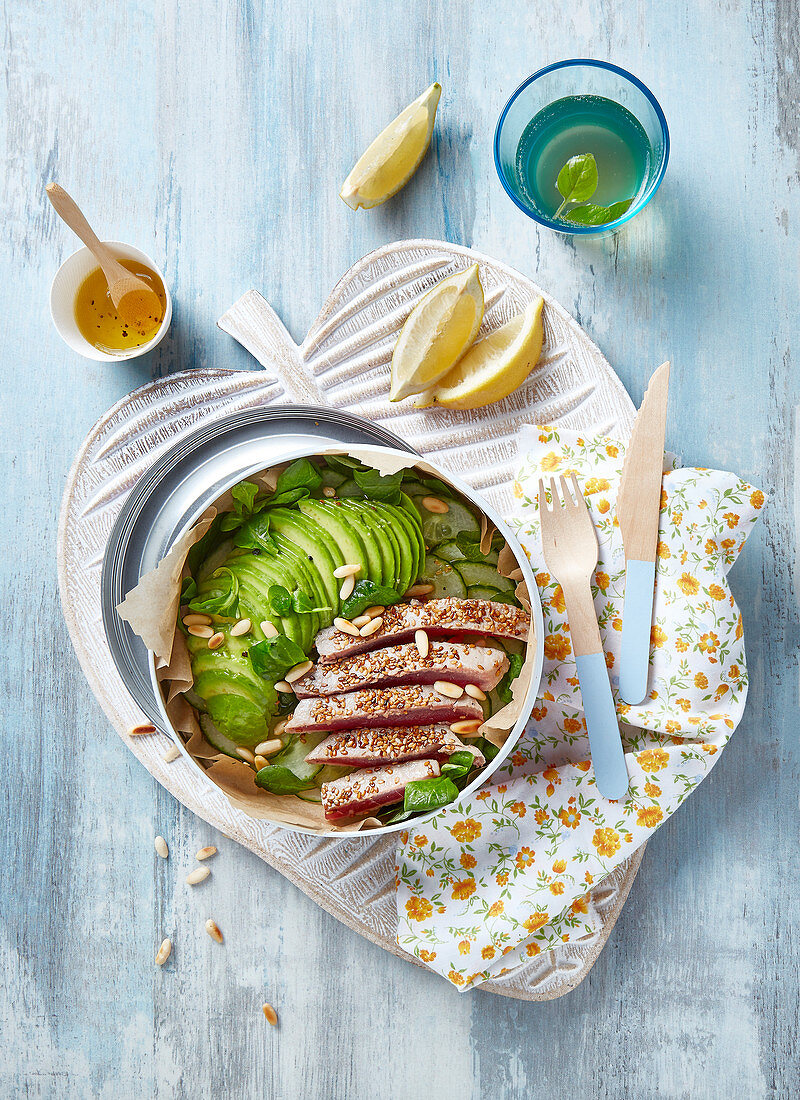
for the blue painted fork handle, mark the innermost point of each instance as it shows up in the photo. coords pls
(637, 617)
(608, 756)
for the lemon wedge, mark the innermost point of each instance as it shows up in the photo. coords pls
(494, 367)
(395, 154)
(436, 334)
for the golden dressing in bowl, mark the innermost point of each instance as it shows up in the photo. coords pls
(98, 321)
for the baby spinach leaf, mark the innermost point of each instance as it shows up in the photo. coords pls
(291, 496)
(367, 594)
(230, 521)
(591, 214)
(514, 667)
(344, 463)
(469, 547)
(280, 599)
(273, 657)
(489, 750)
(375, 486)
(255, 535)
(459, 765)
(577, 180)
(429, 794)
(301, 474)
(244, 495)
(206, 546)
(303, 605)
(222, 597)
(395, 816)
(279, 780)
(435, 486)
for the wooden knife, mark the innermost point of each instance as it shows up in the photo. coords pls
(638, 509)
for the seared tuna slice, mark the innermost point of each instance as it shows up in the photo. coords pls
(459, 663)
(367, 748)
(415, 705)
(438, 618)
(364, 791)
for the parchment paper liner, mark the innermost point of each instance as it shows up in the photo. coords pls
(151, 609)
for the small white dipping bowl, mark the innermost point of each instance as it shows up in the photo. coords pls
(64, 290)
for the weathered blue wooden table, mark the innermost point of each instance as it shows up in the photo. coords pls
(214, 135)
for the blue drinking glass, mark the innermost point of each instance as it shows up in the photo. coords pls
(534, 106)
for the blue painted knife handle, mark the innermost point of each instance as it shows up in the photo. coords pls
(637, 617)
(608, 756)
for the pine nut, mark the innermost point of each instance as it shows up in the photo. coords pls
(247, 755)
(348, 585)
(216, 640)
(418, 590)
(346, 627)
(163, 952)
(243, 626)
(213, 930)
(329, 491)
(435, 505)
(143, 730)
(206, 853)
(278, 729)
(468, 728)
(161, 847)
(201, 631)
(298, 672)
(283, 686)
(270, 1013)
(343, 571)
(423, 643)
(198, 875)
(475, 692)
(372, 627)
(451, 691)
(269, 629)
(378, 609)
(171, 754)
(197, 620)
(261, 762)
(268, 748)
(361, 620)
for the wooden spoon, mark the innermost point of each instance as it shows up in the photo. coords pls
(134, 300)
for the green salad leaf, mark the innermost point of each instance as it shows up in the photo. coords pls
(458, 767)
(290, 496)
(375, 486)
(303, 605)
(503, 689)
(469, 547)
(273, 657)
(367, 594)
(428, 794)
(254, 534)
(244, 496)
(222, 598)
(301, 474)
(489, 750)
(279, 780)
(344, 464)
(280, 599)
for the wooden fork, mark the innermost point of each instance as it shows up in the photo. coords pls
(570, 549)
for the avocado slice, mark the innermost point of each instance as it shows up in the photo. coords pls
(338, 525)
(398, 526)
(256, 574)
(382, 562)
(314, 541)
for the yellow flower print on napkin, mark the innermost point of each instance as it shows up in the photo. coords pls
(500, 879)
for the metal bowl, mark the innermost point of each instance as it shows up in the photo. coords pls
(198, 471)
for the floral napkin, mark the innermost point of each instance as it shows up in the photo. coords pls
(506, 875)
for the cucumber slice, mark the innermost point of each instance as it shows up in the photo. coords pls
(480, 573)
(438, 528)
(310, 794)
(194, 700)
(293, 756)
(483, 592)
(217, 738)
(444, 578)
